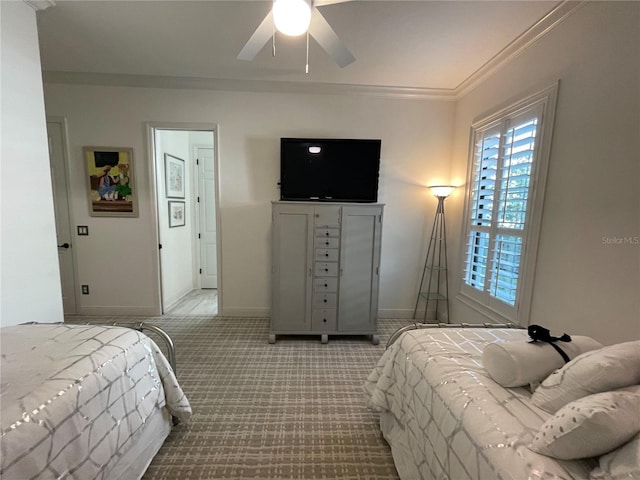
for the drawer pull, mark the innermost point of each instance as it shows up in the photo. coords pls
(324, 320)
(327, 234)
(326, 285)
(326, 254)
(325, 300)
(326, 243)
(326, 269)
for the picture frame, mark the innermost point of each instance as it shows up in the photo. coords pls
(111, 188)
(174, 176)
(177, 214)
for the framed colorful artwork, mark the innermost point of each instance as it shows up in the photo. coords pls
(174, 176)
(176, 214)
(111, 186)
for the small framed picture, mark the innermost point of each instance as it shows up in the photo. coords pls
(176, 214)
(174, 176)
(112, 191)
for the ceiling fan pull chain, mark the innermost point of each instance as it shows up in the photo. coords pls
(307, 66)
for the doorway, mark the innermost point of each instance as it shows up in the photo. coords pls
(184, 160)
(58, 160)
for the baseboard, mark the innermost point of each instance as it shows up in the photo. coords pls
(265, 312)
(225, 312)
(245, 312)
(111, 311)
(443, 318)
(390, 313)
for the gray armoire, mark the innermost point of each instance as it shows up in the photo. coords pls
(326, 267)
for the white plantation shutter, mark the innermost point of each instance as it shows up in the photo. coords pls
(505, 158)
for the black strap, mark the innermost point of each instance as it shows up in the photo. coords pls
(564, 356)
(541, 334)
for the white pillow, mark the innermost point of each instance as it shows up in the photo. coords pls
(606, 369)
(622, 463)
(518, 363)
(590, 426)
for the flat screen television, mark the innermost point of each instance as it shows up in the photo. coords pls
(329, 170)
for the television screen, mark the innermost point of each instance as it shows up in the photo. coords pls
(336, 170)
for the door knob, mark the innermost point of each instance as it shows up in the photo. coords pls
(64, 245)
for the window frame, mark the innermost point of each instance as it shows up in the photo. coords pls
(482, 301)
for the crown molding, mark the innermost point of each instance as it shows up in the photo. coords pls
(195, 83)
(40, 4)
(561, 11)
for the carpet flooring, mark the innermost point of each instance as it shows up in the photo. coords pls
(292, 410)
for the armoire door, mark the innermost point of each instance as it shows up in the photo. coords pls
(359, 268)
(292, 268)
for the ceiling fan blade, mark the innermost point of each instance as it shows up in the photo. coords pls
(320, 3)
(328, 40)
(258, 40)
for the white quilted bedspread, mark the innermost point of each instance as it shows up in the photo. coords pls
(75, 398)
(445, 418)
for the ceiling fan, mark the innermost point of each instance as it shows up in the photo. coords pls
(294, 18)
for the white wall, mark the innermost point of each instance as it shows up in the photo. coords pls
(416, 141)
(30, 283)
(176, 255)
(583, 284)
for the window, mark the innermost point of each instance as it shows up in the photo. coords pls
(507, 171)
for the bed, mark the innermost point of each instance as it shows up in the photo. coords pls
(445, 418)
(84, 401)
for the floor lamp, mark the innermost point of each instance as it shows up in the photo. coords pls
(435, 266)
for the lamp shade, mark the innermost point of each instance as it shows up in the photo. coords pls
(442, 190)
(291, 17)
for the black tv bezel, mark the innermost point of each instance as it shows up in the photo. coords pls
(337, 199)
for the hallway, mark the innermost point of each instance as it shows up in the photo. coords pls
(197, 302)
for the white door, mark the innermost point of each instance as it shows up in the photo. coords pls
(207, 212)
(359, 268)
(57, 159)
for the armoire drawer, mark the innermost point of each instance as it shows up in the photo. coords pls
(328, 300)
(327, 242)
(327, 232)
(325, 269)
(323, 319)
(327, 284)
(327, 254)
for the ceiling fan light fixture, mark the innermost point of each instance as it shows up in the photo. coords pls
(291, 17)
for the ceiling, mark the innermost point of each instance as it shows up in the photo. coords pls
(420, 45)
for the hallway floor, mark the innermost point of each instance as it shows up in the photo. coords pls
(197, 302)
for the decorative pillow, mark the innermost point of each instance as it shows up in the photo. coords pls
(622, 463)
(606, 369)
(590, 426)
(514, 364)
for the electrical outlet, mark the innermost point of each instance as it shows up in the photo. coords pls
(85, 289)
